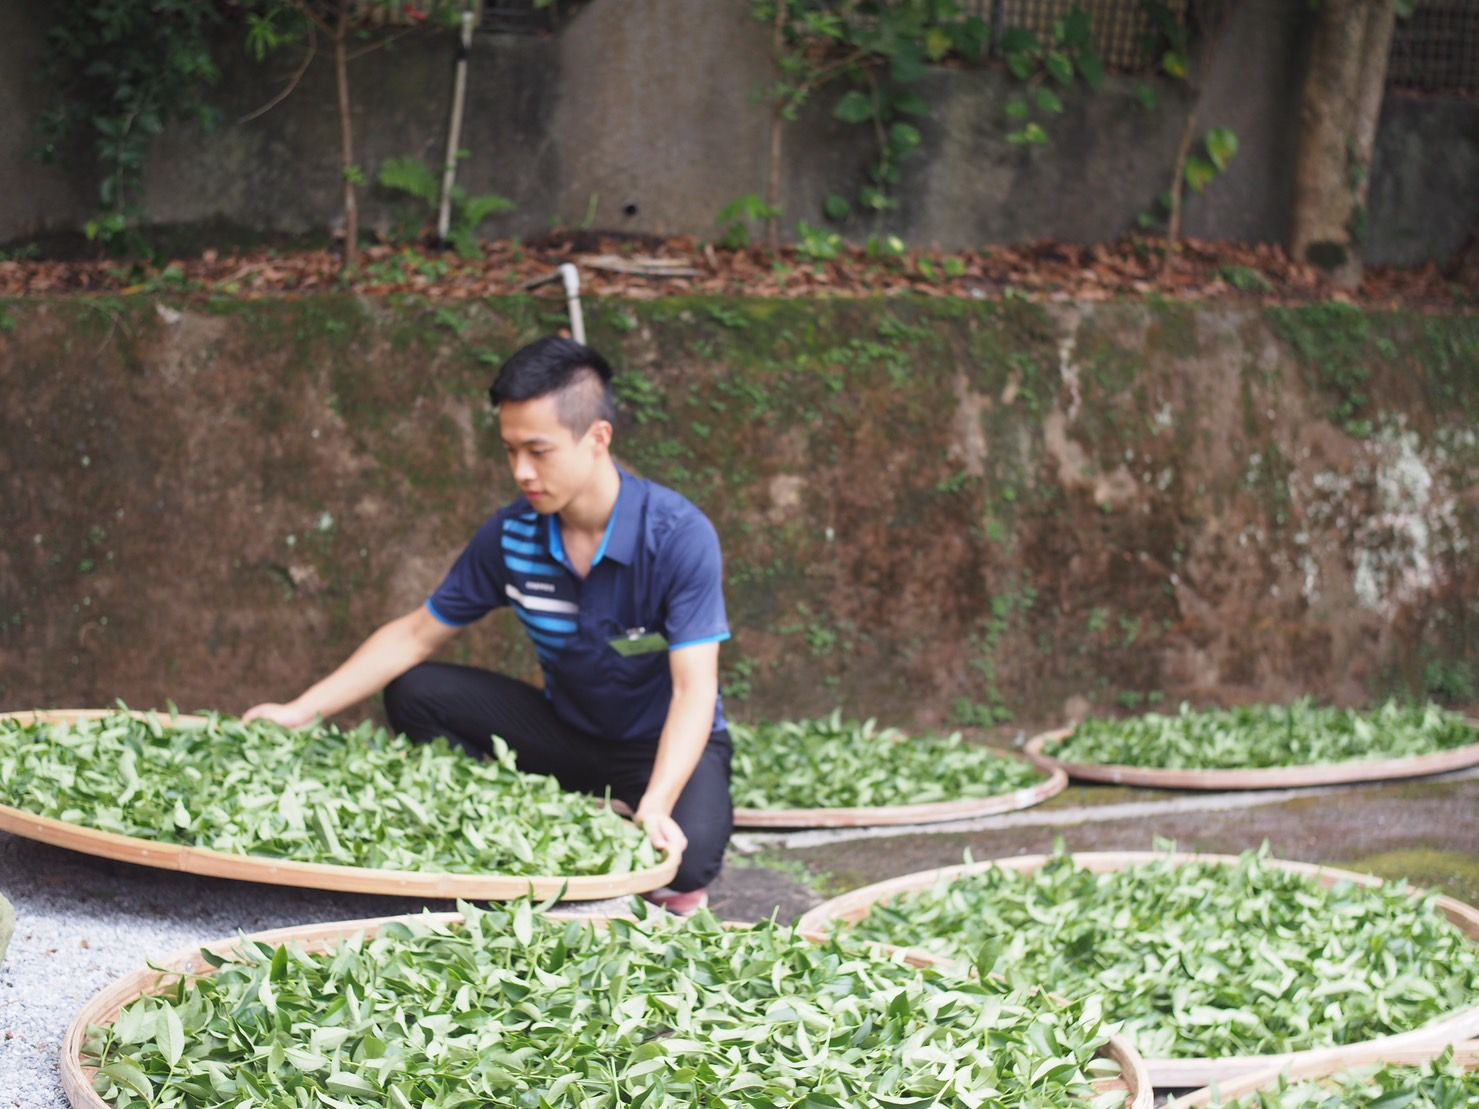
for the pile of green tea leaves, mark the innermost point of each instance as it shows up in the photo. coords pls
(514, 1008)
(1440, 1084)
(830, 763)
(358, 797)
(1263, 736)
(1202, 959)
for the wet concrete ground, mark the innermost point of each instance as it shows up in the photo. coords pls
(1425, 831)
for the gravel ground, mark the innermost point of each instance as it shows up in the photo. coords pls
(83, 922)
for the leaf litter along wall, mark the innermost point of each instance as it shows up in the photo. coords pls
(934, 511)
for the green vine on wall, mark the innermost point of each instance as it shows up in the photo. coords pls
(118, 73)
(1045, 65)
(879, 49)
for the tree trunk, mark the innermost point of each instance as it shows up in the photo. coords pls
(346, 139)
(1342, 103)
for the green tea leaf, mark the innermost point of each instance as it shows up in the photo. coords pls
(1263, 736)
(170, 1036)
(1201, 959)
(832, 763)
(359, 797)
(657, 1013)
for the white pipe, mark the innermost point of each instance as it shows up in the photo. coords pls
(571, 277)
(454, 129)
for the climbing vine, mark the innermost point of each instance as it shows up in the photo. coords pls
(877, 50)
(118, 73)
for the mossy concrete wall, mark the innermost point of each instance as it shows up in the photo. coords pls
(931, 509)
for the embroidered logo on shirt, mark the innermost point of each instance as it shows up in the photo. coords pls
(539, 586)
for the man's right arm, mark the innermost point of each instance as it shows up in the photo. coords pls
(384, 656)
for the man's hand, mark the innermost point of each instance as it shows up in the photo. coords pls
(289, 716)
(387, 654)
(661, 828)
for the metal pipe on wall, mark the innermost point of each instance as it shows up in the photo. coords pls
(454, 128)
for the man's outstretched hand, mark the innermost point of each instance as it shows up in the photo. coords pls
(289, 716)
(662, 829)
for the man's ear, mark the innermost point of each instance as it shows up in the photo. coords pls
(601, 432)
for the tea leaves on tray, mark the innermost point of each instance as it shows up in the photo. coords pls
(1202, 959)
(652, 1013)
(831, 763)
(1439, 1084)
(321, 795)
(1264, 736)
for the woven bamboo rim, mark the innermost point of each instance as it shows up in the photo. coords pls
(1460, 1024)
(1466, 1055)
(930, 813)
(1274, 777)
(105, 1005)
(323, 876)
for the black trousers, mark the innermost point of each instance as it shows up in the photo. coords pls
(468, 705)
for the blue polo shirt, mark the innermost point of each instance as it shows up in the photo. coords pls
(658, 570)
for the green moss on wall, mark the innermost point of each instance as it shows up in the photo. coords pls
(900, 532)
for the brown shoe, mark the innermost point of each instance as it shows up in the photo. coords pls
(679, 904)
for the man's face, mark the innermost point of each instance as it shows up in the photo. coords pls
(550, 464)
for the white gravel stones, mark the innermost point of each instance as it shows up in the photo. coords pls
(82, 922)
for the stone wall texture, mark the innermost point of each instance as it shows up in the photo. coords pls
(931, 510)
(648, 116)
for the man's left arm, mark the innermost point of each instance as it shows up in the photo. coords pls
(695, 671)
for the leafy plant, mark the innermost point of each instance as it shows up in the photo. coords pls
(818, 244)
(275, 24)
(1202, 166)
(417, 180)
(879, 48)
(404, 267)
(119, 73)
(1263, 736)
(1202, 959)
(323, 795)
(832, 763)
(638, 396)
(1048, 67)
(1245, 280)
(736, 217)
(513, 1008)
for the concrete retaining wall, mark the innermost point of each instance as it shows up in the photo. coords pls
(931, 510)
(644, 115)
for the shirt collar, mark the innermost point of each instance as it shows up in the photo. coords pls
(620, 541)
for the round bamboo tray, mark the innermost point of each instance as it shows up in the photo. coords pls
(1466, 1055)
(1274, 777)
(1461, 1024)
(322, 876)
(106, 1004)
(931, 813)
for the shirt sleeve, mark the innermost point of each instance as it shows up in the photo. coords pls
(695, 592)
(474, 585)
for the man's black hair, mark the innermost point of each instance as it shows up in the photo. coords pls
(577, 375)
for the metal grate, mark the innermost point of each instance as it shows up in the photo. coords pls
(1122, 31)
(1436, 48)
(521, 17)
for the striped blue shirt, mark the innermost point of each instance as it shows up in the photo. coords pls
(658, 570)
